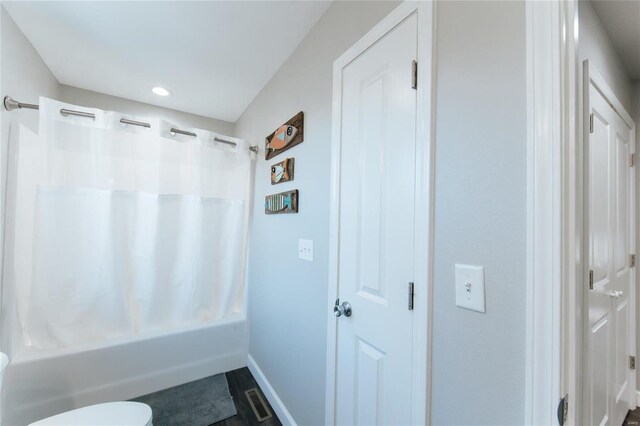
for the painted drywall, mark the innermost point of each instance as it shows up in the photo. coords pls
(181, 119)
(288, 297)
(480, 212)
(480, 144)
(595, 45)
(636, 118)
(25, 77)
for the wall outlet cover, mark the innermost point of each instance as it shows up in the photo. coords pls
(305, 250)
(470, 288)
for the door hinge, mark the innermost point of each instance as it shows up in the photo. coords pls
(632, 160)
(411, 294)
(563, 410)
(414, 74)
(632, 260)
(591, 123)
(591, 279)
(632, 362)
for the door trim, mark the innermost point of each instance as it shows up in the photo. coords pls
(551, 112)
(423, 242)
(591, 75)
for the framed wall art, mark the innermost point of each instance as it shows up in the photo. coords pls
(282, 171)
(284, 202)
(284, 137)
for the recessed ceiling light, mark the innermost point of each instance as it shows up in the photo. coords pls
(160, 91)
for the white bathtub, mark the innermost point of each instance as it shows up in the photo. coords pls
(40, 384)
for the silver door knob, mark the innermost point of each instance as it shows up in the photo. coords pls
(615, 293)
(342, 309)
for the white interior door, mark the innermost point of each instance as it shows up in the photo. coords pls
(610, 392)
(376, 246)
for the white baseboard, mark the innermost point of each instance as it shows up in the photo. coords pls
(276, 403)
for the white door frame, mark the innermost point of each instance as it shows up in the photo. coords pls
(551, 210)
(591, 76)
(424, 204)
(557, 271)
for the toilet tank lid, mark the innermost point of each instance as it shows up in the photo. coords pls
(112, 414)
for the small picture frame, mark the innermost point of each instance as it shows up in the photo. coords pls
(284, 137)
(282, 171)
(281, 203)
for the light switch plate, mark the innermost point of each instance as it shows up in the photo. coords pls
(305, 250)
(470, 287)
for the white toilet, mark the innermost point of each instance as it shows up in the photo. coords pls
(108, 414)
(122, 413)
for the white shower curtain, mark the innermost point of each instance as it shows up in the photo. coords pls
(123, 230)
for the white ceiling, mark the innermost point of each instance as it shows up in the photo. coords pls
(621, 20)
(213, 56)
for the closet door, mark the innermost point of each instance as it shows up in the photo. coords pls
(376, 242)
(609, 375)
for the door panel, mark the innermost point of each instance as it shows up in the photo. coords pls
(621, 252)
(621, 268)
(600, 194)
(600, 377)
(375, 260)
(608, 385)
(600, 317)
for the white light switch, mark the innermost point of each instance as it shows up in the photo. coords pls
(470, 287)
(305, 249)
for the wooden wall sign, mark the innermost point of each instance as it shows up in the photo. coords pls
(282, 171)
(286, 136)
(284, 202)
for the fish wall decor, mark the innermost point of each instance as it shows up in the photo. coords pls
(282, 171)
(284, 137)
(284, 202)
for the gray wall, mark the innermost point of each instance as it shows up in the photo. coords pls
(480, 212)
(595, 45)
(183, 120)
(287, 296)
(24, 77)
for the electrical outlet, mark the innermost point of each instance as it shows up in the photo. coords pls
(305, 250)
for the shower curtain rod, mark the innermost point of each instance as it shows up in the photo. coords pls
(11, 104)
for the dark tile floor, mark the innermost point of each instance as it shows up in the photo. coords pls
(239, 381)
(633, 418)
